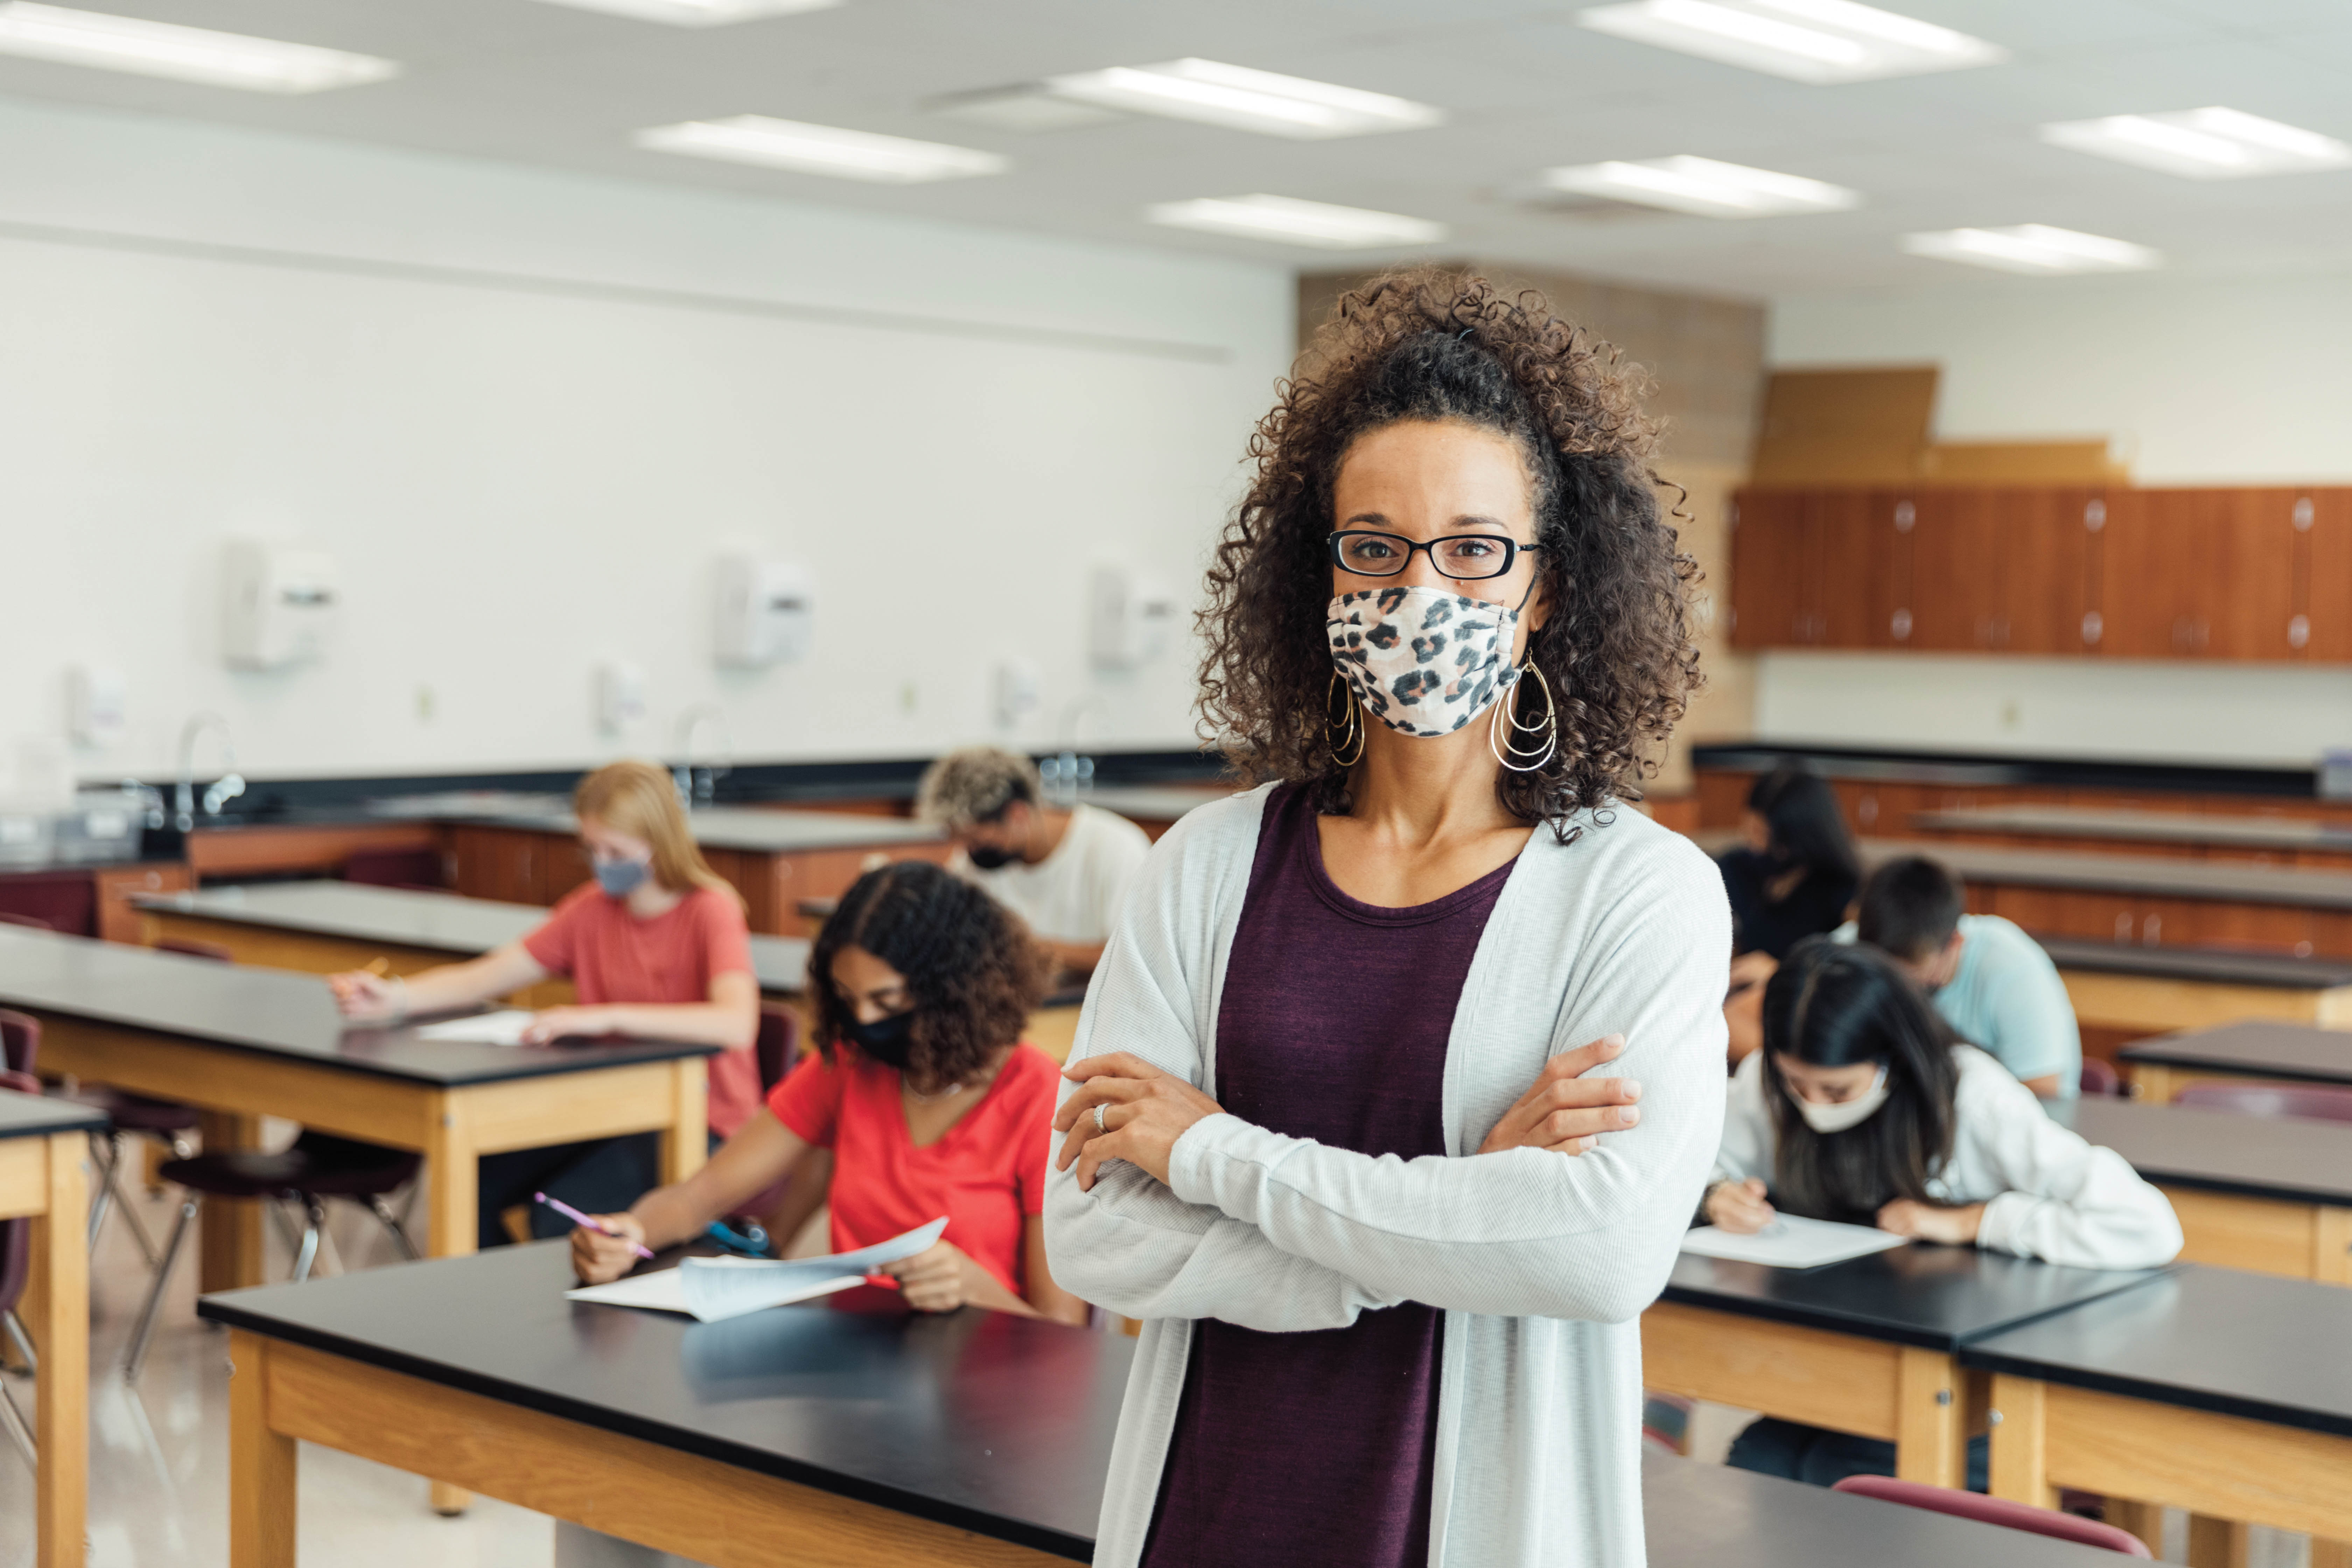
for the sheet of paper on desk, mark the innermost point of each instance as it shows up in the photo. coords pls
(714, 1289)
(1790, 1242)
(665, 1292)
(501, 1028)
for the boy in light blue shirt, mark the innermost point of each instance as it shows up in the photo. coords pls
(1990, 981)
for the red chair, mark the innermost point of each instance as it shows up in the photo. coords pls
(2313, 1102)
(1997, 1511)
(2099, 1077)
(778, 1046)
(27, 921)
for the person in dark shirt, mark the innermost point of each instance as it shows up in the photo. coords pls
(1792, 878)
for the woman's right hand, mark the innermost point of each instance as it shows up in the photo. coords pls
(1738, 1208)
(600, 1259)
(1566, 1111)
(362, 994)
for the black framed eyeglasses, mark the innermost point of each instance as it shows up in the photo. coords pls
(1465, 557)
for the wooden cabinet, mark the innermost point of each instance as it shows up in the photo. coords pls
(1819, 569)
(2047, 570)
(2203, 574)
(118, 918)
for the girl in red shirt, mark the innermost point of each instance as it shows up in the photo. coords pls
(922, 1089)
(656, 946)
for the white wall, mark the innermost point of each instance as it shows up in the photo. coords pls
(2198, 381)
(523, 409)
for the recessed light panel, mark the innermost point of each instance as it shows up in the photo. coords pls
(821, 150)
(698, 13)
(1244, 99)
(2203, 143)
(1290, 222)
(184, 54)
(2034, 248)
(1804, 41)
(1704, 186)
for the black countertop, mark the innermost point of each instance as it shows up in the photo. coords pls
(2217, 965)
(993, 1424)
(987, 1422)
(2302, 1052)
(1982, 769)
(2253, 1345)
(38, 1116)
(272, 1013)
(1933, 1297)
(2291, 1159)
(433, 923)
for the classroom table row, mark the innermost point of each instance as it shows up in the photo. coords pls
(846, 1433)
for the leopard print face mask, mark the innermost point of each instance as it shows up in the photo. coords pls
(1423, 661)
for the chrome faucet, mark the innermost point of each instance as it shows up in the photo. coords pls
(1067, 775)
(702, 783)
(227, 787)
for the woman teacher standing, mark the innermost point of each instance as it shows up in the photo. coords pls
(1401, 1074)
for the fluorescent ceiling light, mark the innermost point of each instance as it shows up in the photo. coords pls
(183, 54)
(1244, 99)
(821, 150)
(1317, 224)
(698, 13)
(1704, 186)
(1804, 41)
(2034, 248)
(2203, 143)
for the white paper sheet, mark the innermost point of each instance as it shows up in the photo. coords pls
(1791, 1242)
(500, 1028)
(665, 1292)
(714, 1289)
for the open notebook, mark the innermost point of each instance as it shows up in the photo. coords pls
(714, 1289)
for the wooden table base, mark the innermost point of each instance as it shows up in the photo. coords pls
(1904, 1395)
(641, 1492)
(48, 1179)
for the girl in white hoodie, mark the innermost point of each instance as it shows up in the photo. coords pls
(1864, 1107)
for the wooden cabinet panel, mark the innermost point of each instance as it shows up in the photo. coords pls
(2202, 574)
(1860, 595)
(1771, 563)
(1955, 565)
(500, 863)
(118, 918)
(2323, 583)
(2050, 557)
(2004, 570)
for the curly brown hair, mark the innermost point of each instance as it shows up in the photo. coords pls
(971, 964)
(1441, 345)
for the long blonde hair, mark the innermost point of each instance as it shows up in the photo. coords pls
(639, 799)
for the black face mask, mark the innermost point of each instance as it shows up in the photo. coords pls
(888, 1041)
(989, 857)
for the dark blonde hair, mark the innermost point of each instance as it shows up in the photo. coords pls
(640, 799)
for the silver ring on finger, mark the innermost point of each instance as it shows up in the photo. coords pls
(1098, 1121)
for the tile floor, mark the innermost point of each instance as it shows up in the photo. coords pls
(159, 1459)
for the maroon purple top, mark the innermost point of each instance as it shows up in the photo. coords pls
(1311, 1449)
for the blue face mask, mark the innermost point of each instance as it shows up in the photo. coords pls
(619, 878)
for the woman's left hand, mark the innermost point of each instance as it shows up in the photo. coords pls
(1145, 1110)
(1933, 1222)
(551, 1024)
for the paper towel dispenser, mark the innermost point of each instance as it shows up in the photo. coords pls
(280, 602)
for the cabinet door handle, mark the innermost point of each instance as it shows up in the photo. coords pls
(2093, 626)
(2151, 932)
(2122, 928)
(2298, 632)
(1901, 625)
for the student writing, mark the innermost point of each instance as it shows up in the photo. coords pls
(1065, 873)
(656, 946)
(921, 1088)
(1990, 981)
(1863, 1107)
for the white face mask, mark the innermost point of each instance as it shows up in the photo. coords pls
(1423, 661)
(1845, 1114)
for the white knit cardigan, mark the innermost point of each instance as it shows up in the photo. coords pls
(1541, 1262)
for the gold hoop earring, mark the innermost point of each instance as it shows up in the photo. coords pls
(1350, 724)
(1499, 740)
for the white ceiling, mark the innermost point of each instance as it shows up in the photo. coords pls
(1525, 88)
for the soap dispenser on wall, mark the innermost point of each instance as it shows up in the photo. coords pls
(279, 604)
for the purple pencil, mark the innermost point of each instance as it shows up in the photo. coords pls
(576, 1217)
